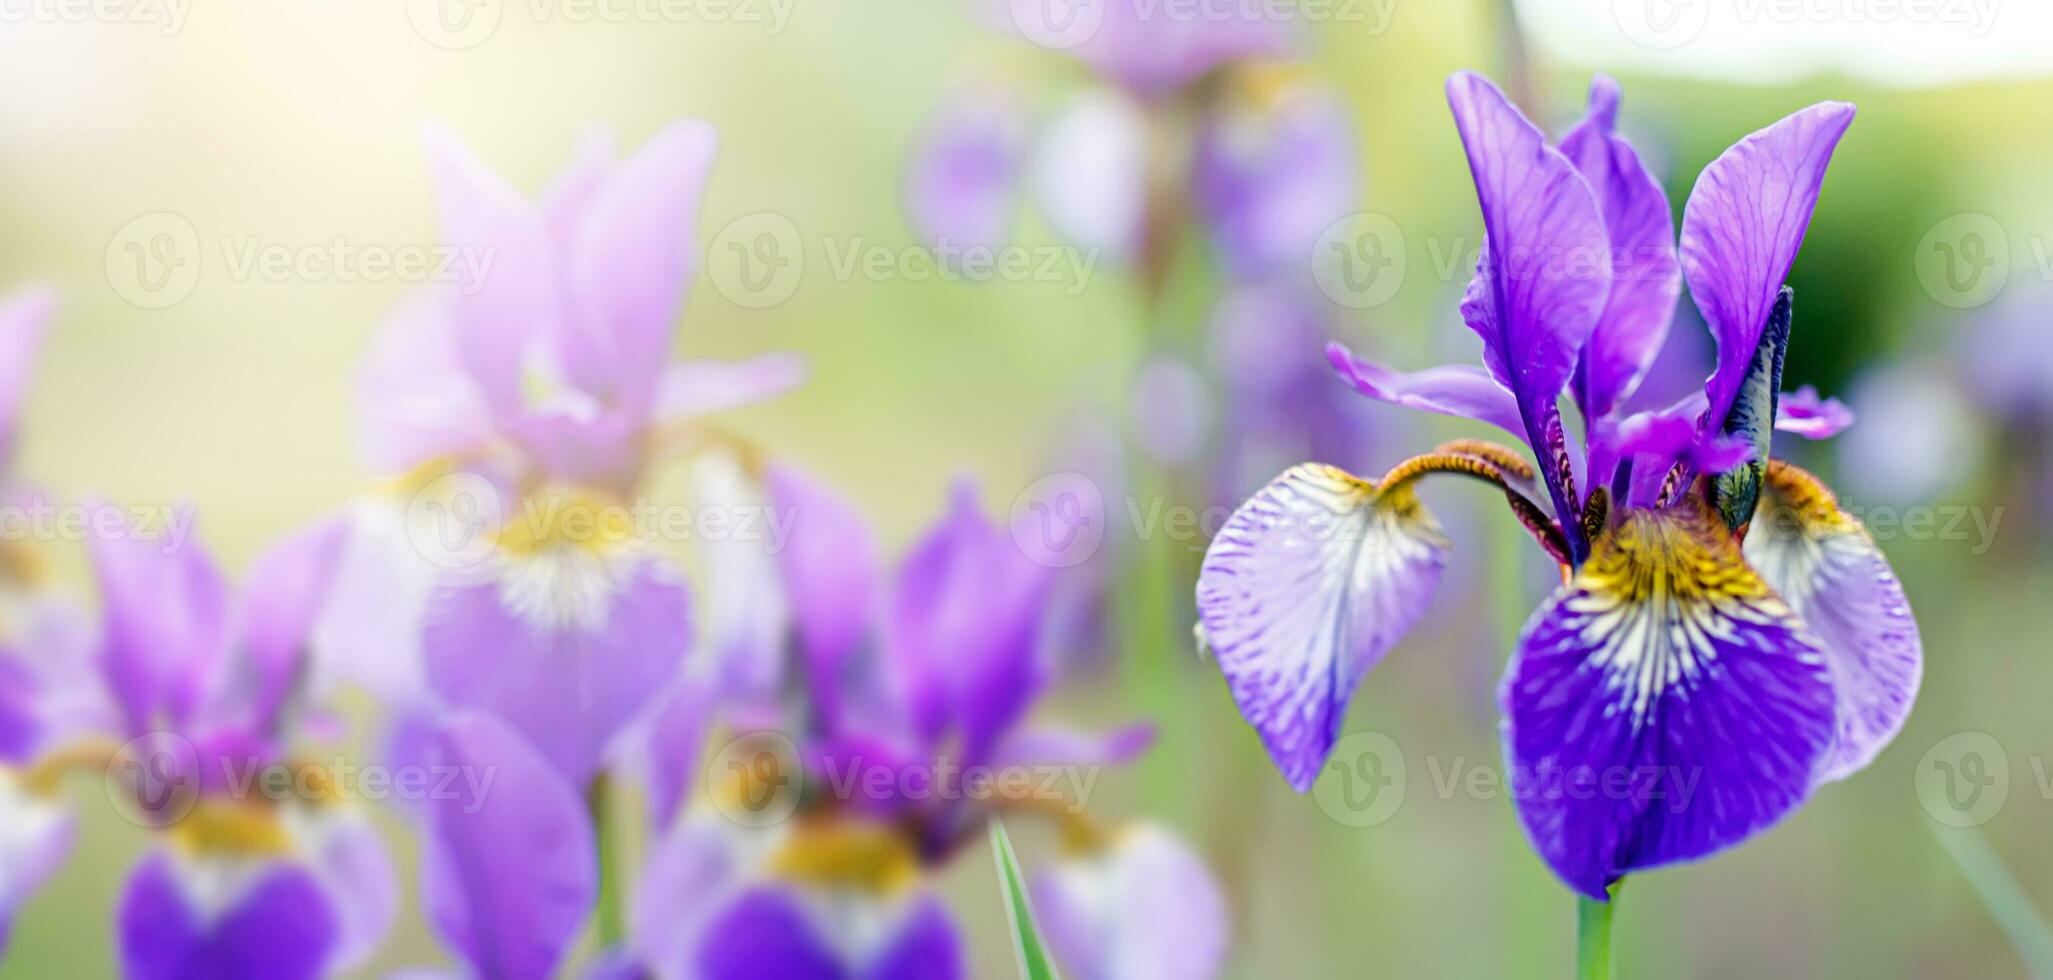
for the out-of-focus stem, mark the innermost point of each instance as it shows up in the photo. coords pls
(612, 914)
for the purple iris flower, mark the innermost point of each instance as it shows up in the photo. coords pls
(543, 381)
(206, 688)
(1726, 638)
(905, 685)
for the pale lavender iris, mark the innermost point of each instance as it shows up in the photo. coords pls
(543, 379)
(1153, 50)
(1726, 638)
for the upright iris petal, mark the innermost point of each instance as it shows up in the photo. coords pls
(1742, 227)
(1543, 277)
(1645, 276)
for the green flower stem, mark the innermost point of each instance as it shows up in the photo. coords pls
(612, 915)
(1593, 936)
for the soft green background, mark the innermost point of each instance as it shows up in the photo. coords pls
(296, 122)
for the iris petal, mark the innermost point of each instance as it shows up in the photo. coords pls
(1829, 568)
(1664, 704)
(1460, 390)
(1304, 589)
(1646, 278)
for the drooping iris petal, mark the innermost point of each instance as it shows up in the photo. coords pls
(1461, 390)
(348, 859)
(286, 589)
(1662, 705)
(176, 922)
(505, 312)
(1803, 413)
(768, 932)
(632, 261)
(369, 633)
(1304, 589)
(1646, 278)
(963, 627)
(1543, 277)
(566, 644)
(1089, 173)
(1270, 179)
(414, 403)
(1742, 227)
(24, 316)
(1824, 562)
(1144, 908)
(672, 735)
(962, 182)
(507, 867)
(35, 838)
(694, 388)
(832, 574)
(164, 624)
(764, 935)
(692, 869)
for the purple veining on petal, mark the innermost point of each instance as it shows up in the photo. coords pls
(1742, 227)
(1663, 705)
(1303, 590)
(1836, 578)
(1646, 278)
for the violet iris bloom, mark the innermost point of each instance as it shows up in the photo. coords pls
(243, 883)
(544, 378)
(1726, 638)
(908, 683)
(1155, 51)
